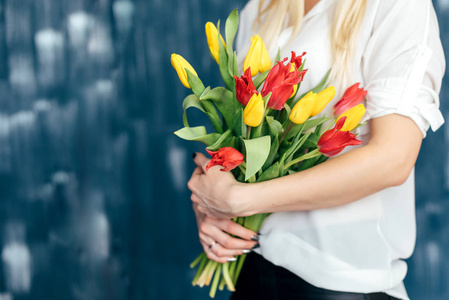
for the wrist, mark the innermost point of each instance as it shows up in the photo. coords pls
(242, 198)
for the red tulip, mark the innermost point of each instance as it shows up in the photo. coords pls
(352, 97)
(334, 141)
(227, 157)
(244, 87)
(297, 60)
(280, 82)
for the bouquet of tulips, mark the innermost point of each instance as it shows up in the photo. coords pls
(263, 130)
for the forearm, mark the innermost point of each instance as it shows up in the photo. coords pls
(386, 161)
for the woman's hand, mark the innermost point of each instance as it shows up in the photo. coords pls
(216, 240)
(215, 192)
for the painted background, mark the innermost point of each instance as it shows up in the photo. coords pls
(93, 198)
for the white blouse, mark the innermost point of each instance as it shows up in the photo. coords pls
(360, 247)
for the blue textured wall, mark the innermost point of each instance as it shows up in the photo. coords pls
(93, 198)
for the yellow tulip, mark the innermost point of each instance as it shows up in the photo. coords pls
(180, 64)
(302, 110)
(323, 98)
(354, 116)
(257, 57)
(212, 40)
(254, 111)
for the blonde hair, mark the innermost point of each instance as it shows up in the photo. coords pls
(346, 23)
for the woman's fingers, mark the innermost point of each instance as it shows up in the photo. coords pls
(201, 161)
(211, 255)
(217, 252)
(233, 228)
(214, 229)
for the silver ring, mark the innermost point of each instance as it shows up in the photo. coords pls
(211, 245)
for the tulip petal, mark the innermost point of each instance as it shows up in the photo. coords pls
(227, 157)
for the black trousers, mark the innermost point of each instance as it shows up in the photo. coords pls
(261, 280)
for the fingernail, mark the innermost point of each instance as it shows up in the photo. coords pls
(232, 259)
(193, 155)
(246, 251)
(255, 238)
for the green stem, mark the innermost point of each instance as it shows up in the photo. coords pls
(197, 260)
(232, 269)
(242, 168)
(213, 288)
(227, 278)
(239, 268)
(211, 273)
(301, 158)
(252, 179)
(213, 115)
(248, 132)
(203, 278)
(286, 132)
(222, 283)
(198, 274)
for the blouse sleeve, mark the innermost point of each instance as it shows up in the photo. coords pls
(403, 63)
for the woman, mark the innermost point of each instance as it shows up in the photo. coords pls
(339, 230)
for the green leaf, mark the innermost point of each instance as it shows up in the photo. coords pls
(278, 55)
(223, 64)
(308, 163)
(231, 63)
(309, 155)
(273, 153)
(257, 151)
(270, 173)
(224, 100)
(195, 83)
(213, 115)
(239, 125)
(190, 101)
(311, 142)
(312, 123)
(205, 92)
(309, 124)
(260, 79)
(294, 148)
(224, 141)
(274, 127)
(236, 65)
(198, 134)
(288, 110)
(231, 26)
(234, 143)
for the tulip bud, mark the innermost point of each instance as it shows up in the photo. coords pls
(322, 99)
(280, 81)
(302, 110)
(212, 40)
(254, 111)
(297, 60)
(354, 116)
(180, 64)
(352, 96)
(295, 87)
(227, 157)
(334, 140)
(257, 57)
(244, 87)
